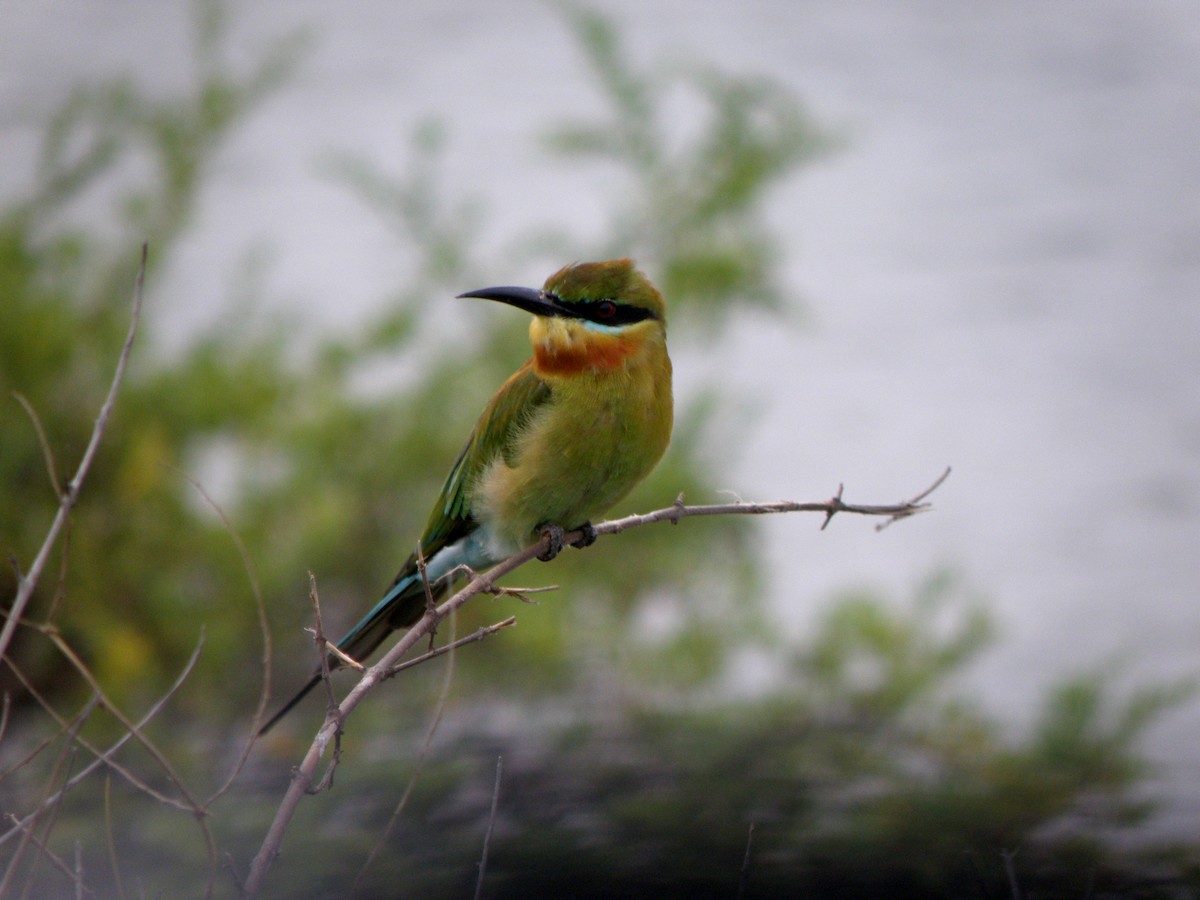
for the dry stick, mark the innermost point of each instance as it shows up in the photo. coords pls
(71, 727)
(5, 708)
(68, 498)
(324, 645)
(438, 711)
(744, 874)
(487, 837)
(110, 833)
(1010, 870)
(477, 635)
(264, 628)
(67, 762)
(105, 758)
(188, 802)
(64, 724)
(49, 854)
(323, 649)
(26, 828)
(302, 775)
(43, 442)
(79, 888)
(51, 804)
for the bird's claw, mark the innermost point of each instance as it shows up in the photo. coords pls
(589, 536)
(554, 542)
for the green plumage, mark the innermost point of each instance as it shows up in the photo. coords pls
(564, 438)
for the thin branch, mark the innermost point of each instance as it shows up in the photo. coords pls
(473, 637)
(69, 497)
(302, 775)
(105, 758)
(264, 629)
(436, 720)
(45, 851)
(430, 603)
(188, 802)
(111, 835)
(487, 837)
(50, 804)
(1010, 870)
(744, 874)
(678, 510)
(321, 642)
(323, 645)
(43, 442)
(5, 709)
(65, 726)
(331, 729)
(48, 740)
(348, 661)
(79, 886)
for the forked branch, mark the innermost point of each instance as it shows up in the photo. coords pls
(302, 775)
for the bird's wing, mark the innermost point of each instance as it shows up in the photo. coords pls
(495, 433)
(450, 520)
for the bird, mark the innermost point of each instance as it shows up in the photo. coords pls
(566, 437)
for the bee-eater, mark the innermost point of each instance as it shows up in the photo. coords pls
(564, 438)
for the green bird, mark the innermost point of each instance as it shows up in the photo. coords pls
(569, 434)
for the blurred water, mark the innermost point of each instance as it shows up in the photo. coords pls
(1002, 266)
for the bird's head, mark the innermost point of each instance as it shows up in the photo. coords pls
(589, 317)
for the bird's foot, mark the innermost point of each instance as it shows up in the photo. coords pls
(589, 536)
(554, 542)
(554, 535)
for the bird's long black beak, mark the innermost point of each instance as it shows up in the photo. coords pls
(531, 300)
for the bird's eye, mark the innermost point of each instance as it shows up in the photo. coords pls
(605, 309)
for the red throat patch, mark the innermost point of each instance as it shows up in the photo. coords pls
(598, 353)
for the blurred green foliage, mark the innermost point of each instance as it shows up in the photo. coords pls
(692, 202)
(628, 771)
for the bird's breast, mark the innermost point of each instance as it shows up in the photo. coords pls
(603, 429)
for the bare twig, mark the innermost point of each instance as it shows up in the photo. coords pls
(331, 729)
(487, 837)
(1010, 870)
(744, 874)
(438, 711)
(53, 804)
(70, 496)
(43, 442)
(70, 727)
(110, 834)
(916, 503)
(347, 660)
(323, 646)
(45, 851)
(105, 758)
(678, 510)
(322, 643)
(302, 775)
(473, 637)
(264, 630)
(430, 602)
(188, 802)
(79, 887)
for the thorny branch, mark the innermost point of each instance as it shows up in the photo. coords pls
(330, 731)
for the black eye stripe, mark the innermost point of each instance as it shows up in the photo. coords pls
(606, 312)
